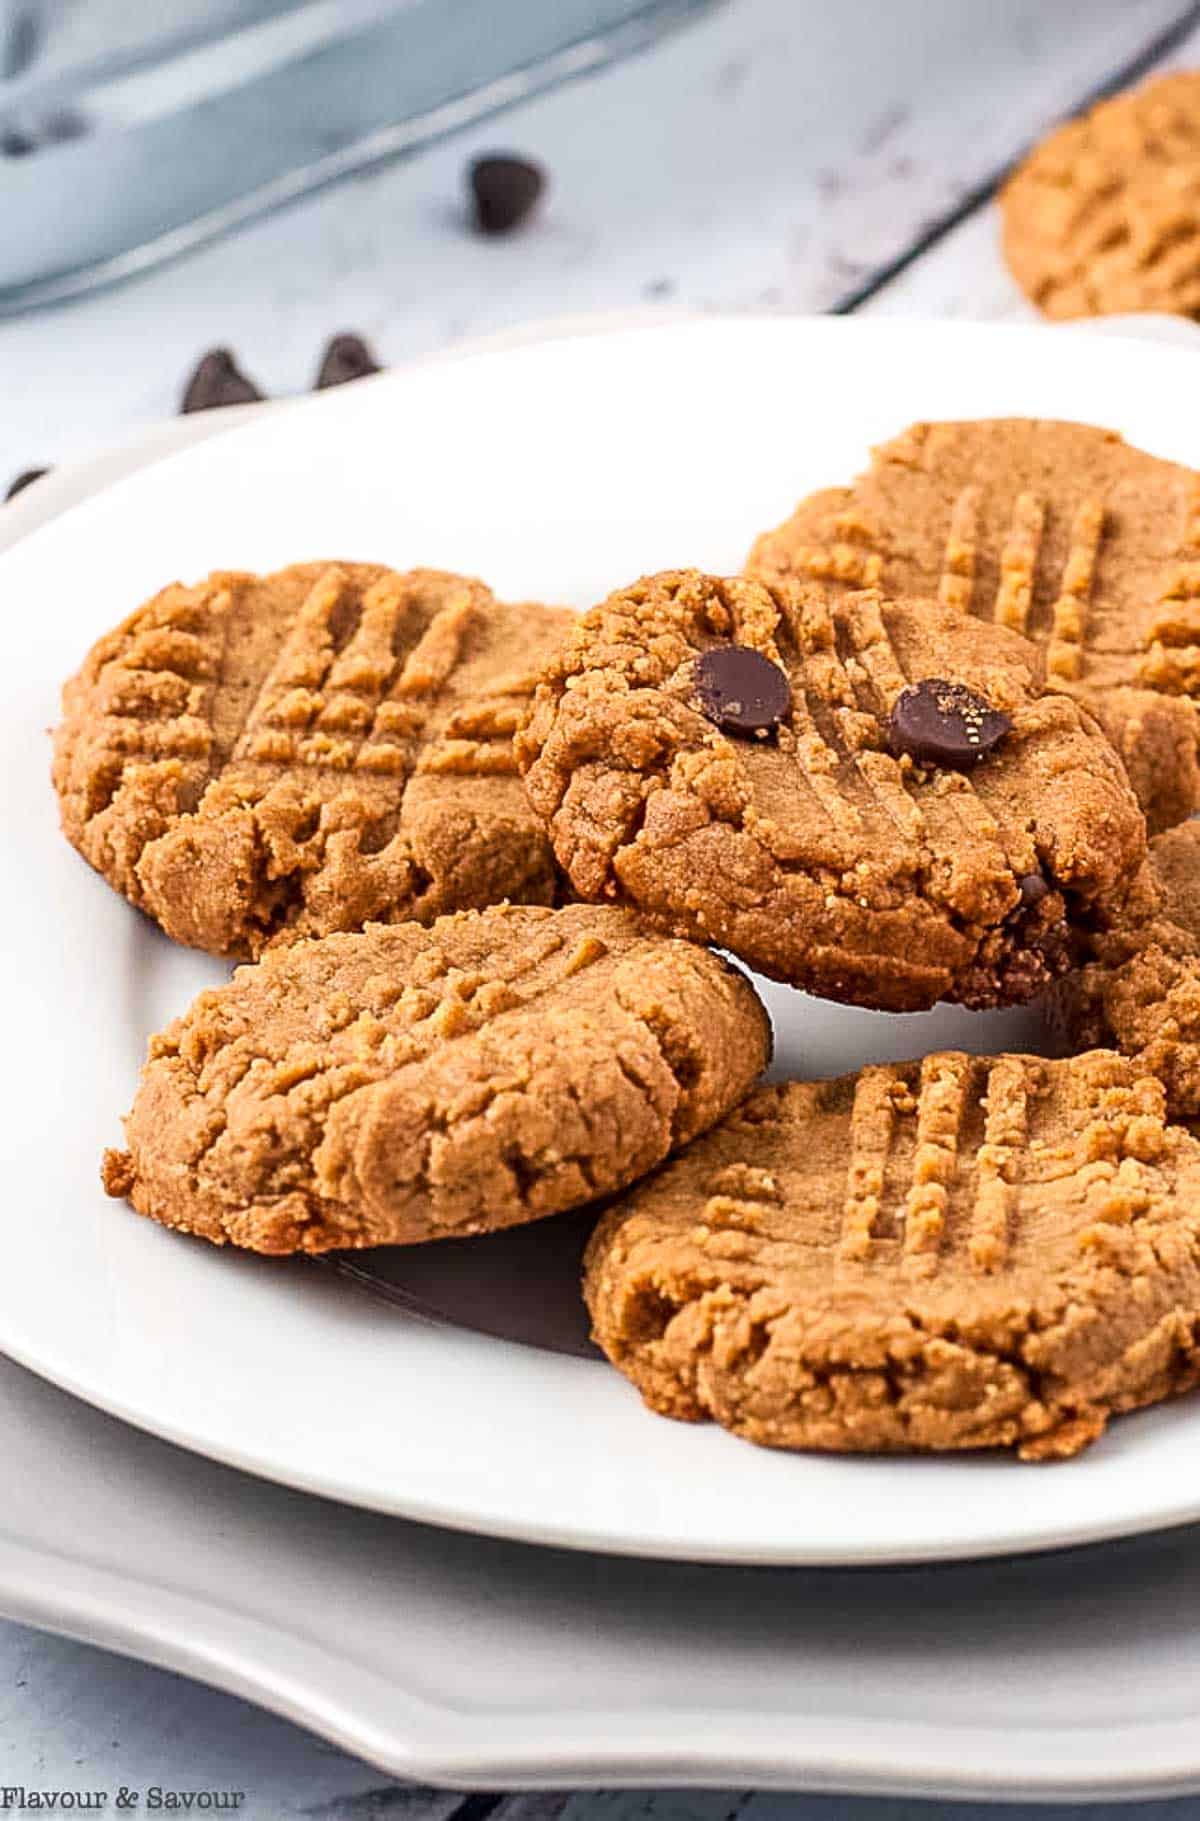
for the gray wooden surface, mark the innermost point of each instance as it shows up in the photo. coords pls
(781, 155)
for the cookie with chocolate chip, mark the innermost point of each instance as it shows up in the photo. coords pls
(868, 798)
(402, 1083)
(256, 758)
(961, 1252)
(1058, 531)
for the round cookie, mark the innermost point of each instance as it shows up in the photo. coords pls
(1141, 990)
(818, 849)
(1104, 214)
(263, 757)
(1059, 531)
(403, 1083)
(957, 1253)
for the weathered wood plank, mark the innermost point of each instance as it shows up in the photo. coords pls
(772, 156)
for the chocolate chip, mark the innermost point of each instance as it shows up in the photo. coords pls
(1033, 887)
(217, 381)
(345, 358)
(741, 690)
(504, 192)
(941, 723)
(24, 480)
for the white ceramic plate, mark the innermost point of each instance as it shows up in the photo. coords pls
(479, 1663)
(555, 470)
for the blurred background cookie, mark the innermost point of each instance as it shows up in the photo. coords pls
(1104, 215)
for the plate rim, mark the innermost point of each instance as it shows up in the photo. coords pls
(372, 1715)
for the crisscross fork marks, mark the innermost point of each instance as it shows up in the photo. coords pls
(1171, 654)
(817, 854)
(142, 731)
(921, 1135)
(929, 502)
(940, 1105)
(1067, 644)
(1065, 1286)
(1018, 562)
(164, 663)
(878, 1093)
(352, 702)
(876, 663)
(849, 677)
(807, 624)
(421, 1001)
(476, 737)
(1005, 1139)
(957, 581)
(240, 757)
(936, 1111)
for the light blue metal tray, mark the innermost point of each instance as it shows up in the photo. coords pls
(132, 130)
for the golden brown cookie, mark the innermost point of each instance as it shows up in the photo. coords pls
(962, 1252)
(403, 1083)
(1060, 531)
(263, 757)
(1104, 215)
(825, 846)
(1141, 991)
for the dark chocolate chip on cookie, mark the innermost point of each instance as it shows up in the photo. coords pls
(741, 690)
(941, 723)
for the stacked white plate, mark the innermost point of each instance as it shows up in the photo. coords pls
(742, 1643)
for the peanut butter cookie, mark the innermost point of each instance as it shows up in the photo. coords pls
(957, 1253)
(1104, 215)
(264, 757)
(1059, 531)
(403, 1083)
(869, 799)
(1141, 991)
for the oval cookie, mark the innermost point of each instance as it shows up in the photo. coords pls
(403, 1083)
(263, 757)
(962, 1252)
